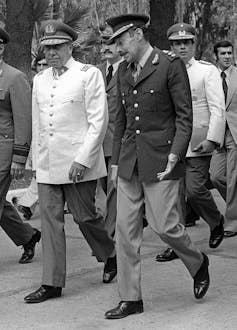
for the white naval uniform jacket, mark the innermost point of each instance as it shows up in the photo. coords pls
(70, 118)
(208, 101)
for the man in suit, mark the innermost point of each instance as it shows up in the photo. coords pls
(152, 130)
(15, 138)
(69, 123)
(109, 70)
(208, 133)
(223, 165)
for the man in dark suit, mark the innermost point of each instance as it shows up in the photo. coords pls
(223, 165)
(152, 130)
(15, 137)
(109, 70)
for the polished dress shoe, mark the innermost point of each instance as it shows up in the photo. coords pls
(217, 235)
(124, 309)
(202, 279)
(110, 270)
(29, 248)
(229, 233)
(166, 255)
(43, 293)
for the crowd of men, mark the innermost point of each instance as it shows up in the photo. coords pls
(156, 130)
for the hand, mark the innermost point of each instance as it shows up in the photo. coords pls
(172, 160)
(114, 175)
(76, 172)
(17, 170)
(205, 146)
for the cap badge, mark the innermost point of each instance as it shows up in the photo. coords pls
(50, 29)
(182, 33)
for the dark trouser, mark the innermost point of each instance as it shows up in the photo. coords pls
(10, 221)
(197, 192)
(111, 200)
(80, 199)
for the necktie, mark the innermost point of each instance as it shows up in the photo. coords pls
(136, 71)
(109, 74)
(224, 84)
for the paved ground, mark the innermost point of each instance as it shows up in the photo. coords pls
(167, 289)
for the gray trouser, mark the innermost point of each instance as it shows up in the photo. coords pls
(161, 208)
(80, 199)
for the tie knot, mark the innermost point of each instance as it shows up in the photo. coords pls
(110, 68)
(223, 75)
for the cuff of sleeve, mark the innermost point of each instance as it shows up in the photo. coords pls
(19, 159)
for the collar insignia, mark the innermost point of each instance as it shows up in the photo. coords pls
(155, 59)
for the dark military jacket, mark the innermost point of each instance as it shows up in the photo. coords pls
(15, 116)
(154, 117)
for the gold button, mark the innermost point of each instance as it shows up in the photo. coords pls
(123, 101)
(50, 124)
(51, 114)
(136, 105)
(137, 118)
(151, 91)
(50, 133)
(52, 95)
(51, 105)
(138, 131)
(169, 142)
(135, 91)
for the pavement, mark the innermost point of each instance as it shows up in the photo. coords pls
(168, 298)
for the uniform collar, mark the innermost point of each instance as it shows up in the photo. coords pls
(145, 56)
(190, 62)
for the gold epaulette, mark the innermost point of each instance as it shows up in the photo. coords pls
(204, 62)
(86, 67)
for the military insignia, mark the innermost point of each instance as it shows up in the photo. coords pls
(182, 33)
(155, 59)
(50, 29)
(204, 62)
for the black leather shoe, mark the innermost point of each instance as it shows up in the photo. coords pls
(166, 255)
(202, 279)
(229, 233)
(217, 235)
(110, 270)
(43, 293)
(124, 309)
(29, 248)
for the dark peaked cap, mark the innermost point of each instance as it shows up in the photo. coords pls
(122, 23)
(4, 36)
(181, 31)
(55, 32)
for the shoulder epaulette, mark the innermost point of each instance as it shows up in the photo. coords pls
(170, 55)
(204, 62)
(86, 67)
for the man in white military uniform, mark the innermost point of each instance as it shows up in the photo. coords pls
(208, 132)
(70, 118)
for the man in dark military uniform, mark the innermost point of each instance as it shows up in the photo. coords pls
(152, 130)
(15, 138)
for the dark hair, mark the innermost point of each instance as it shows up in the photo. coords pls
(223, 43)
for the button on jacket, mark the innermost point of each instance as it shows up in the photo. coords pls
(70, 118)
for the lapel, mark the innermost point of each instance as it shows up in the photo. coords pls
(232, 86)
(103, 70)
(112, 82)
(149, 67)
(128, 76)
(2, 69)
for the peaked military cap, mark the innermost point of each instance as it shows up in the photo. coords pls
(181, 31)
(106, 39)
(55, 32)
(4, 36)
(123, 23)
